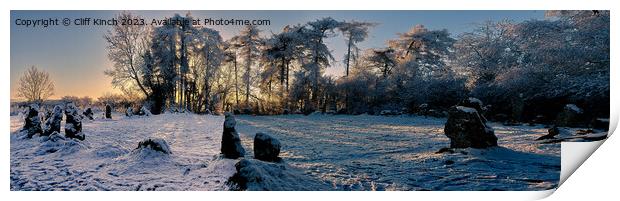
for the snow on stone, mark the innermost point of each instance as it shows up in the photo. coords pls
(466, 109)
(475, 100)
(145, 111)
(574, 107)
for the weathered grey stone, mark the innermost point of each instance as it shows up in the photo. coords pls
(129, 112)
(553, 131)
(472, 103)
(52, 124)
(155, 144)
(266, 148)
(88, 112)
(465, 128)
(108, 111)
(231, 143)
(571, 116)
(32, 122)
(73, 123)
(145, 111)
(476, 104)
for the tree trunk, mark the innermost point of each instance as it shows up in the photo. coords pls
(236, 83)
(349, 55)
(248, 69)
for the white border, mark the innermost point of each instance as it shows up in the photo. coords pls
(594, 179)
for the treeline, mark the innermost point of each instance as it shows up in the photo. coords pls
(522, 70)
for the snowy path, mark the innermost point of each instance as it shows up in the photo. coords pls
(345, 152)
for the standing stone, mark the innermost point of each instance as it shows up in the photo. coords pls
(476, 104)
(231, 143)
(553, 131)
(108, 111)
(73, 124)
(266, 148)
(88, 113)
(129, 112)
(466, 128)
(145, 111)
(472, 103)
(52, 124)
(601, 123)
(32, 123)
(571, 116)
(48, 114)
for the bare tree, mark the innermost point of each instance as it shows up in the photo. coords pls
(126, 46)
(35, 85)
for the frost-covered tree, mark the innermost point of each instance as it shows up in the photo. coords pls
(317, 55)
(354, 32)
(231, 58)
(423, 52)
(180, 65)
(126, 44)
(423, 59)
(382, 59)
(206, 47)
(487, 51)
(534, 67)
(284, 47)
(35, 85)
(166, 61)
(249, 43)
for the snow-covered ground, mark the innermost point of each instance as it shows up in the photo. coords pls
(339, 151)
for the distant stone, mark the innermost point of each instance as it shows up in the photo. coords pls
(88, 113)
(231, 143)
(73, 123)
(571, 116)
(108, 111)
(539, 119)
(52, 124)
(601, 123)
(266, 148)
(389, 112)
(32, 122)
(144, 111)
(129, 112)
(552, 132)
(465, 128)
(155, 144)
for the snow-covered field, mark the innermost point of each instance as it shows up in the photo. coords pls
(339, 152)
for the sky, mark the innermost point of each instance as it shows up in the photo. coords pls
(76, 56)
